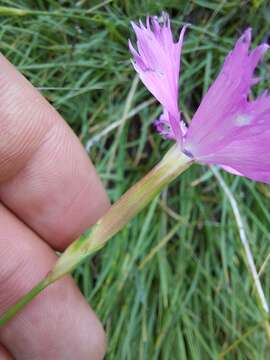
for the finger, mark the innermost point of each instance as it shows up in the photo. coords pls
(58, 324)
(4, 355)
(46, 177)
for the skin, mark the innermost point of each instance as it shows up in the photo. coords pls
(49, 194)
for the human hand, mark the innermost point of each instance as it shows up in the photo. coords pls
(49, 194)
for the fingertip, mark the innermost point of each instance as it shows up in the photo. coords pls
(46, 177)
(97, 340)
(58, 323)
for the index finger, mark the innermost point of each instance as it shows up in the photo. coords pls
(46, 178)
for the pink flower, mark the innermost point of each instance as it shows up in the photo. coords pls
(227, 129)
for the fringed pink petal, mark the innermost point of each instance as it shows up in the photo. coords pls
(157, 62)
(227, 129)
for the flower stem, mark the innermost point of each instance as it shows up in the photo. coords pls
(133, 201)
(11, 312)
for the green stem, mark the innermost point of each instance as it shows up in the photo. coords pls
(11, 312)
(133, 201)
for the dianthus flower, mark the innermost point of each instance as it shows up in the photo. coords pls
(227, 129)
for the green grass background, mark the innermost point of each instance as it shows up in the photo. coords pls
(173, 284)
